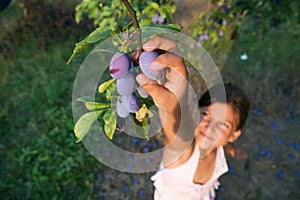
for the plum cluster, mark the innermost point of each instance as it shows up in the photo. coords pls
(124, 72)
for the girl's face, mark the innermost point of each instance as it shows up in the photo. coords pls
(217, 126)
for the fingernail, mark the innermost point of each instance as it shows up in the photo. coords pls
(141, 79)
(148, 45)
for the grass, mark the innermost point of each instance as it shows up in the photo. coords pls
(9, 16)
(272, 65)
(270, 78)
(39, 156)
(40, 159)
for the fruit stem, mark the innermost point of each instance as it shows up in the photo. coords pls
(132, 14)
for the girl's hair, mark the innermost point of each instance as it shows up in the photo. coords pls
(234, 96)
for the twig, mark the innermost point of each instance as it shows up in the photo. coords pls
(132, 14)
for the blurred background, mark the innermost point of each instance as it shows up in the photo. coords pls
(254, 43)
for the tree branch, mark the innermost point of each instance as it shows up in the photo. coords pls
(132, 14)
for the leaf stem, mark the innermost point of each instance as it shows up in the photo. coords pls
(132, 14)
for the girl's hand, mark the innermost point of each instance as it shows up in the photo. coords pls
(170, 96)
(166, 95)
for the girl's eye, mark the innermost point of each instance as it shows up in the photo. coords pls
(204, 113)
(223, 125)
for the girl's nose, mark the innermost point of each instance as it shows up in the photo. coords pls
(206, 124)
(205, 121)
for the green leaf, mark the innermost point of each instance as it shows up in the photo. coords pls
(86, 98)
(109, 91)
(147, 10)
(174, 27)
(97, 35)
(164, 28)
(163, 13)
(109, 129)
(105, 85)
(80, 9)
(154, 5)
(150, 32)
(141, 128)
(94, 12)
(106, 11)
(91, 105)
(84, 123)
(141, 113)
(110, 123)
(109, 114)
(78, 13)
(145, 126)
(92, 5)
(145, 22)
(170, 8)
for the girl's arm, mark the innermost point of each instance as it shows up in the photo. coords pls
(171, 96)
(165, 95)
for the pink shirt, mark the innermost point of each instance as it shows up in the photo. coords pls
(177, 183)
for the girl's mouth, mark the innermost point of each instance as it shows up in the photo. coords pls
(205, 136)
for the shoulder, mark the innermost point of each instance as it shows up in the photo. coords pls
(221, 165)
(186, 155)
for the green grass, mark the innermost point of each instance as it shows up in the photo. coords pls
(39, 156)
(8, 16)
(270, 75)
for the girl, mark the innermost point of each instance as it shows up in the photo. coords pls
(193, 173)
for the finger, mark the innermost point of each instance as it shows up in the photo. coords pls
(159, 93)
(142, 79)
(171, 60)
(159, 42)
